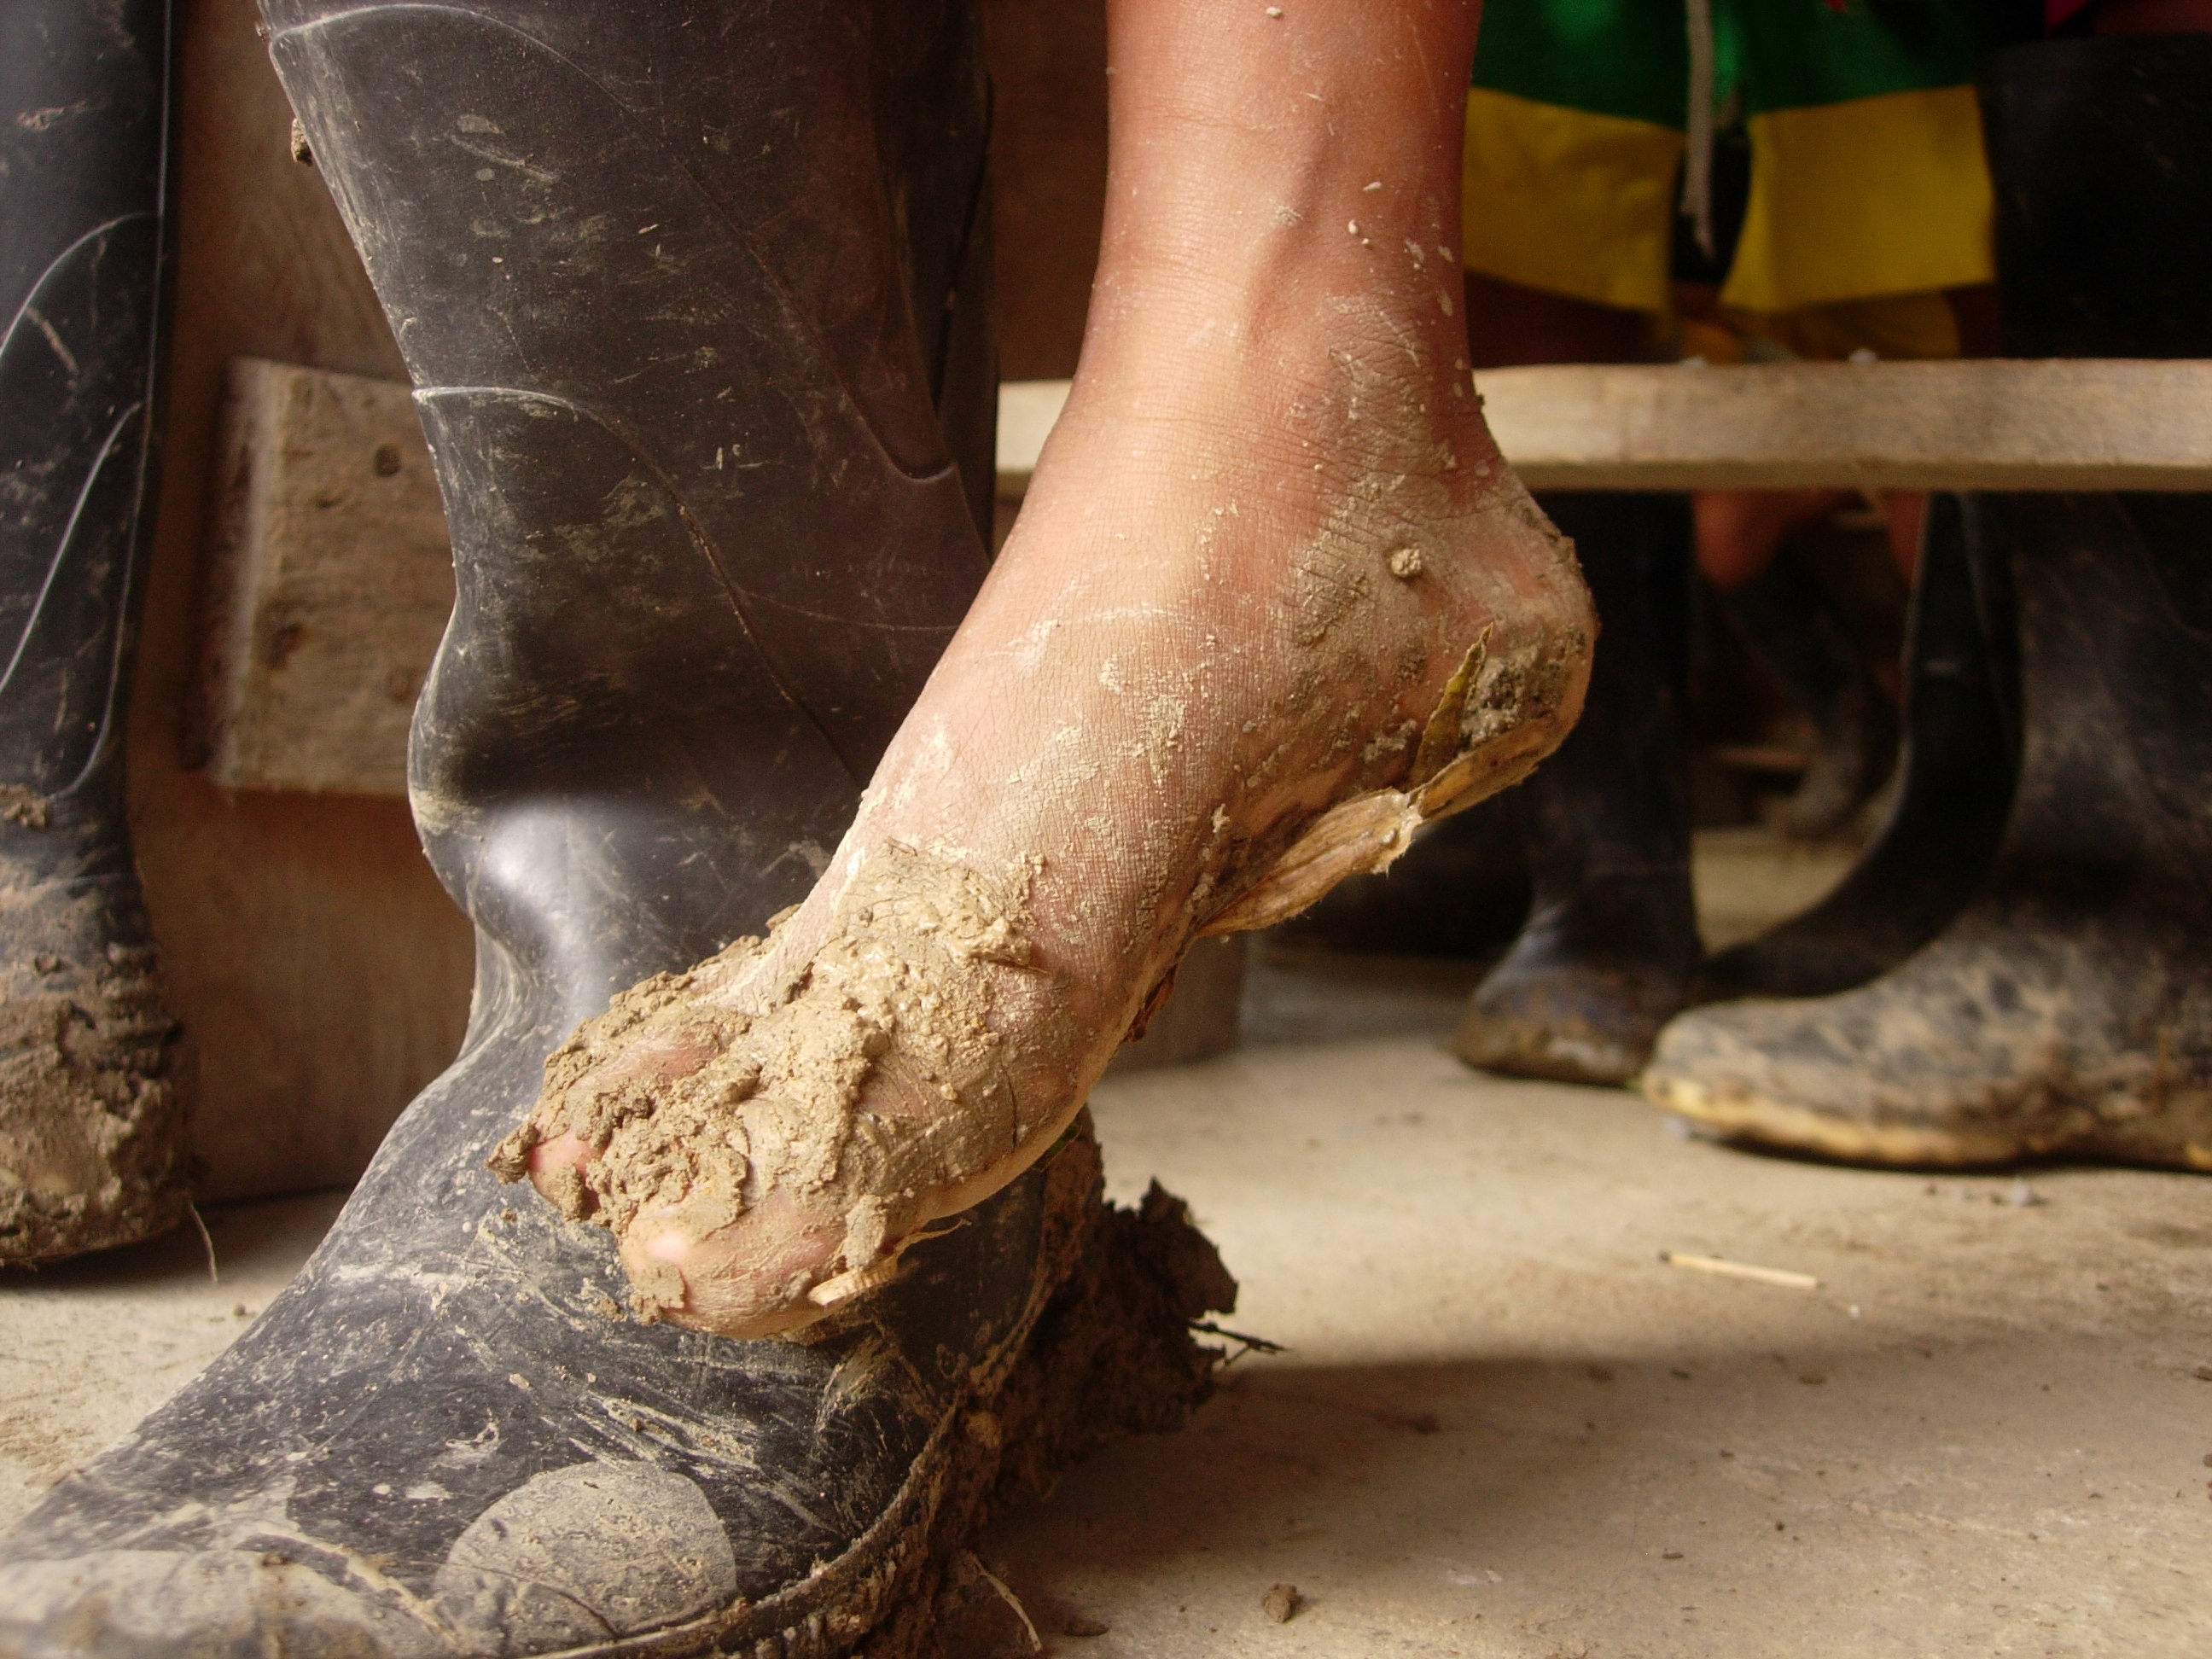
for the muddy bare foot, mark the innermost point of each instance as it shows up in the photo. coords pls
(1273, 600)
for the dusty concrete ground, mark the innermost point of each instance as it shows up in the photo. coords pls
(1502, 1425)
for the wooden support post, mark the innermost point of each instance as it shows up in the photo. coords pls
(330, 579)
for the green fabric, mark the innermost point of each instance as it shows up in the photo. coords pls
(1625, 58)
(1798, 54)
(1631, 58)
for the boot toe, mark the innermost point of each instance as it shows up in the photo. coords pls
(2015, 1035)
(1566, 1022)
(1798, 1077)
(469, 1451)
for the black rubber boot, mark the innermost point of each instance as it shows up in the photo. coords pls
(90, 1129)
(1961, 741)
(2068, 1010)
(1610, 948)
(694, 299)
(1787, 619)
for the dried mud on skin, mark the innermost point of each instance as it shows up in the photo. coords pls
(899, 997)
(90, 1125)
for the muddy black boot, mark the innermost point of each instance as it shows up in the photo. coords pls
(2068, 1010)
(1961, 702)
(91, 1132)
(694, 297)
(1790, 624)
(1610, 947)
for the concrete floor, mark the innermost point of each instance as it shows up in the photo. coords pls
(1502, 1425)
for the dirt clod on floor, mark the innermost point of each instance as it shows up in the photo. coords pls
(1281, 1603)
(1112, 1355)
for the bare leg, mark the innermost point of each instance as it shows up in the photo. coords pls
(1739, 530)
(1268, 536)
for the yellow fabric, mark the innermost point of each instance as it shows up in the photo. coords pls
(1897, 327)
(1567, 202)
(1872, 197)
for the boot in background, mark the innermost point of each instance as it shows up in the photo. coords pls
(91, 1130)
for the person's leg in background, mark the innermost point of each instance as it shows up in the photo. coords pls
(91, 1131)
(1884, 196)
(2068, 1009)
(1576, 164)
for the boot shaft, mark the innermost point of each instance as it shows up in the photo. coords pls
(2101, 153)
(84, 122)
(691, 304)
(2100, 150)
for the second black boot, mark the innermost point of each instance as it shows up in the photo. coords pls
(692, 297)
(2066, 1010)
(1961, 734)
(1610, 950)
(91, 1130)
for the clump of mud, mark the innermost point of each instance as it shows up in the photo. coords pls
(90, 1126)
(1112, 1355)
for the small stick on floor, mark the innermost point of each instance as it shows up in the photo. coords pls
(207, 1239)
(1712, 1264)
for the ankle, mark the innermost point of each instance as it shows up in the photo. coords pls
(1259, 221)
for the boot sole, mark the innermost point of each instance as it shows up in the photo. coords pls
(1557, 1059)
(1772, 1122)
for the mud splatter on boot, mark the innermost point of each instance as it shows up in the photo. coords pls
(91, 1130)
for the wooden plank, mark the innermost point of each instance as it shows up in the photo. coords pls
(1990, 424)
(330, 579)
(1986, 424)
